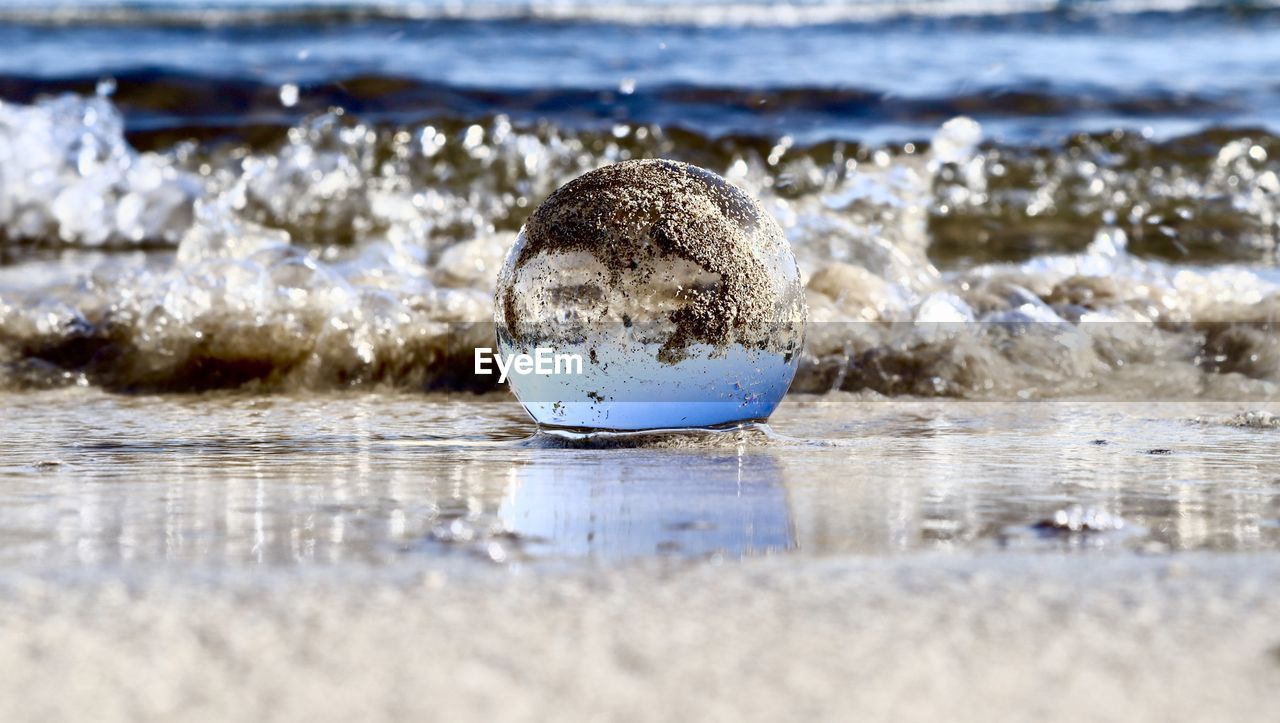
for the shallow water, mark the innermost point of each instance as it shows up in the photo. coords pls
(91, 480)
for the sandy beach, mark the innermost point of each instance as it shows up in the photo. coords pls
(1017, 637)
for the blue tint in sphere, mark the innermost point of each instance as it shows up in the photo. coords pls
(650, 295)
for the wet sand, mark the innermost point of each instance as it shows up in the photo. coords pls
(94, 480)
(1022, 637)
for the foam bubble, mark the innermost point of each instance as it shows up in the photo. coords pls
(66, 172)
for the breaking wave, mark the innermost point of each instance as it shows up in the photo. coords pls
(338, 253)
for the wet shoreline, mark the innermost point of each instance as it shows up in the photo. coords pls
(97, 482)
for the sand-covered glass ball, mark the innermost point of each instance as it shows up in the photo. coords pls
(649, 295)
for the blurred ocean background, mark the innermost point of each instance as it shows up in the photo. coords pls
(854, 70)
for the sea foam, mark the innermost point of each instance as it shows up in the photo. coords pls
(348, 253)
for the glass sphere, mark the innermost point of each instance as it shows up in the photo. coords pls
(649, 295)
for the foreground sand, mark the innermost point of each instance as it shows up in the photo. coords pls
(1046, 637)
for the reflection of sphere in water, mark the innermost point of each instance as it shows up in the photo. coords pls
(629, 505)
(676, 292)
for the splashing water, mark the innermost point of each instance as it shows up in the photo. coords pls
(345, 253)
(66, 173)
